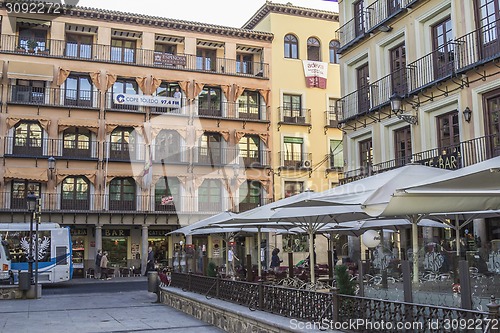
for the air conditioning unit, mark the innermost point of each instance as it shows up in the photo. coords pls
(306, 164)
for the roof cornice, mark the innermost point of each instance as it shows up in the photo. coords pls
(289, 9)
(161, 22)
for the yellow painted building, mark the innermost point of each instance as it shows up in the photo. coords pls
(439, 59)
(307, 146)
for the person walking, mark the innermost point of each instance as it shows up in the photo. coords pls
(230, 258)
(104, 266)
(98, 257)
(275, 260)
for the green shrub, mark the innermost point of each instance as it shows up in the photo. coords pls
(212, 269)
(344, 283)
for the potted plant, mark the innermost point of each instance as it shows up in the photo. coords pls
(32, 45)
(19, 48)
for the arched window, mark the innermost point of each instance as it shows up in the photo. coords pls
(166, 189)
(122, 144)
(210, 196)
(122, 194)
(28, 139)
(291, 47)
(334, 51)
(168, 147)
(313, 49)
(75, 193)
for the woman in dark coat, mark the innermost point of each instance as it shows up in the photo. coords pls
(275, 260)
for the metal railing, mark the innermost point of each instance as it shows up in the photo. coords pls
(255, 158)
(331, 307)
(332, 116)
(477, 47)
(215, 156)
(335, 161)
(296, 116)
(436, 66)
(124, 202)
(382, 89)
(381, 11)
(351, 31)
(135, 56)
(244, 206)
(54, 97)
(291, 160)
(451, 157)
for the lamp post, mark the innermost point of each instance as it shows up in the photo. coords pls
(31, 201)
(38, 214)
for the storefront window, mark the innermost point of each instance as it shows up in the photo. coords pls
(115, 242)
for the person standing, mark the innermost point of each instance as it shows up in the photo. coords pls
(275, 260)
(150, 266)
(177, 93)
(98, 257)
(104, 266)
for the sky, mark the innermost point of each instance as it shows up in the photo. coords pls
(231, 13)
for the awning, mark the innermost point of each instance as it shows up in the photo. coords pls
(263, 136)
(30, 71)
(223, 132)
(122, 174)
(111, 126)
(36, 174)
(155, 130)
(32, 23)
(12, 121)
(65, 123)
(62, 174)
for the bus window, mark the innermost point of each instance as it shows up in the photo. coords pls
(61, 258)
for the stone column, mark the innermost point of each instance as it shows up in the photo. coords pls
(98, 238)
(144, 249)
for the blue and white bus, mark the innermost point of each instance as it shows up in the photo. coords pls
(54, 250)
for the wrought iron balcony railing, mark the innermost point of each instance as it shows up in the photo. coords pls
(255, 158)
(478, 47)
(451, 157)
(29, 95)
(333, 115)
(439, 65)
(244, 206)
(352, 31)
(215, 156)
(134, 56)
(292, 160)
(294, 116)
(382, 11)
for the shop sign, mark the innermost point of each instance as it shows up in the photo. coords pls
(448, 161)
(143, 100)
(78, 232)
(169, 59)
(115, 232)
(157, 232)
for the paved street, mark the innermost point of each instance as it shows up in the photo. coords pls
(118, 305)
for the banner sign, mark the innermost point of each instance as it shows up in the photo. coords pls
(316, 73)
(169, 59)
(115, 232)
(145, 100)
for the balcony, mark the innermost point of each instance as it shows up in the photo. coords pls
(335, 162)
(170, 154)
(215, 156)
(333, 116)
(26, 147)
(138, 57)
(451, 158)
(256, 158)
(351, 32)
(379, 13)
(124, 151)
(290, 160)
(71, 149)
(295, 116)
(28, 95)
(382, 89)
(478, 47)
(437, 66)
(354, 104)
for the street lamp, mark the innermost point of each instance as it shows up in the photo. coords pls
(31, 202)
(397, 109)
(52, 165)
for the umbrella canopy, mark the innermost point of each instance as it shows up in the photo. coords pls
(473, 188)
(188, 230)
(381, 185)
